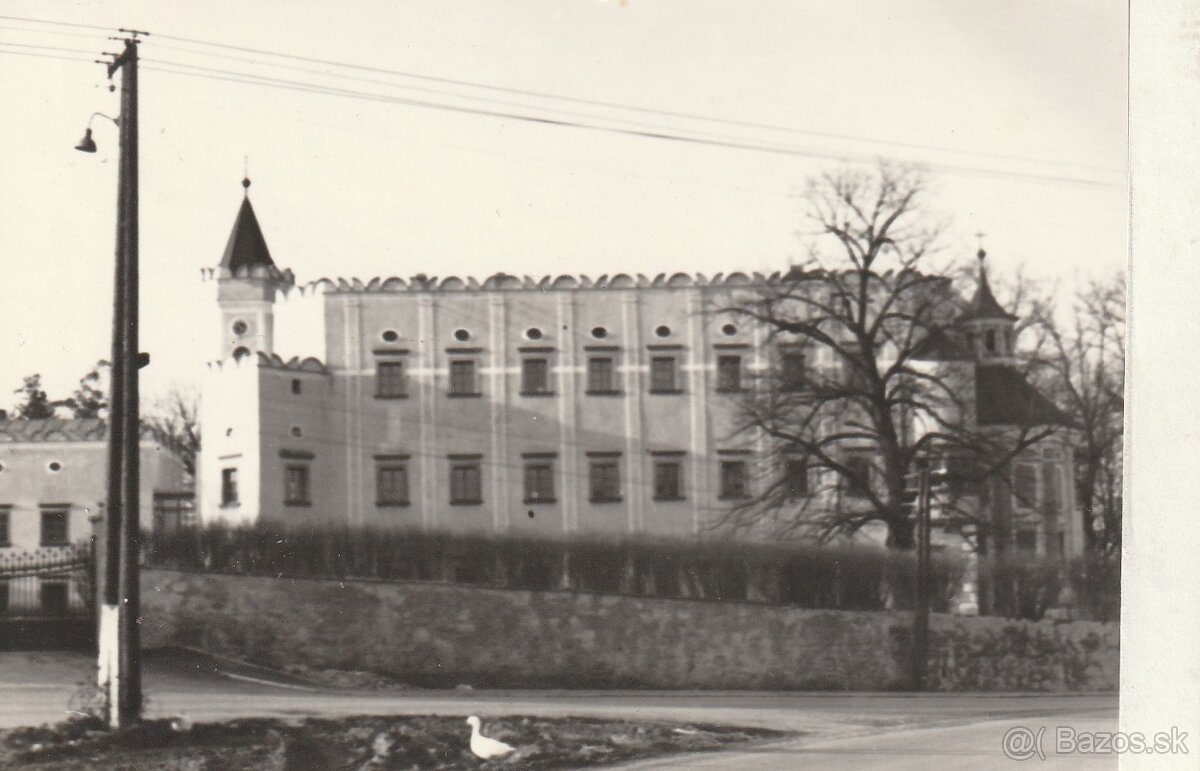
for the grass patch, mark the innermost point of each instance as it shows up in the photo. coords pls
(423, 742)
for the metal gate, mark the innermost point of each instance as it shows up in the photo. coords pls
(47, 598)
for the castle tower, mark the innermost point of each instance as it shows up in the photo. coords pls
(247, 280)
(989, 328)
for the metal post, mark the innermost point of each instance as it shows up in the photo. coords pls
(920, 636)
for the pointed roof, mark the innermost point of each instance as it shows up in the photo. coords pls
(246, 247)
(984, 304)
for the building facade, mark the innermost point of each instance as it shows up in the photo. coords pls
(53, 484)
(563, 405)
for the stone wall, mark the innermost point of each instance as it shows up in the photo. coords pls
(435, 634)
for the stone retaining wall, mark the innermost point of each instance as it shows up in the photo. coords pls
(436, 634)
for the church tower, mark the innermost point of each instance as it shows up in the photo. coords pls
(989, 328)
(247, 281)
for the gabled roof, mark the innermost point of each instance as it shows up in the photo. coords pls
(246, 248)
(1004, 398)
(984, 304)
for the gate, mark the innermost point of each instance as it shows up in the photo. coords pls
(47, 598)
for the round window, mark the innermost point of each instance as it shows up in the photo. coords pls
(599, 333)
(240, 327)
(533, 333)
(390, 336)
(729, 330)
(54, 466)
(240, 352)
(462, 335)
(663, 331)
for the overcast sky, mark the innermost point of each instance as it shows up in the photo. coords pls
(1018, 107)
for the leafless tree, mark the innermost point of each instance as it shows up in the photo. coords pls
(870, 373)
(1083, 361)
(173, 419)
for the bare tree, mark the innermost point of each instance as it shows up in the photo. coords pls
(1084, 363)
(871, 371)
(174, 422)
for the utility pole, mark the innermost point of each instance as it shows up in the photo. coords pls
(119, 641)
(920, 634)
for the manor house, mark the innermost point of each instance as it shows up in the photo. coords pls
(568, 404)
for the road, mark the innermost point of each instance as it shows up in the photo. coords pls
(839, 730)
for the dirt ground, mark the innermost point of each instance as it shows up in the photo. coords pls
(358, 743)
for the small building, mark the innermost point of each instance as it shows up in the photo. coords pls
(53, 484)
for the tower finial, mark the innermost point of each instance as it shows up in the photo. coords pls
(246, 173)
(981, 254)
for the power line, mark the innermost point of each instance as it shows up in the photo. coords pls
(109, 30)
(608, 104)
(292, 85)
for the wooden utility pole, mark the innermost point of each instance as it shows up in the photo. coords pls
(920, 635)
(119, 642)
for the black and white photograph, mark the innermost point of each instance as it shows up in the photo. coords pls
(628, 384)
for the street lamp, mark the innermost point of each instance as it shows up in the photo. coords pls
(119, 641)
(87, 144)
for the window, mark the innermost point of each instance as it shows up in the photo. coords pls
(389, 379)
(462, 378)
(989, 339)
(390, 336)
(3, 597)
(662, 331)
(791, 370)
(1052, 488)
(539, 483)
(240, 352)
(53, 597)
(668, 480)
(795, 477)
(4, 526)
(466, 483)
(729, 330)
(600, 376)
(533, 333)
(662, 375)
(229, 487)
(295, 486)
(729, 374)
(858, 482)
(599, 333)
(295, 385)
(535, 377)
(604, 481)
(462, 335)
(54, 527)
(391, 485)
(1024, 486)
(733, 480)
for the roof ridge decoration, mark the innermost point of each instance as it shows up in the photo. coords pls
(545, 283)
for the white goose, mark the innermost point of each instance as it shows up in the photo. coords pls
(482, 746)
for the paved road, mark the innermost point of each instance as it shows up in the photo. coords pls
(841, 730)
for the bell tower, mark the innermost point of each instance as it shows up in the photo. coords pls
(990, 329)
(247, 281)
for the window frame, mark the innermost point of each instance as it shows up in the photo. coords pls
(461, 490)
(529, 385)
(793, 369)
(394, 385)
(454, 381)
(610, 371)
(386, 496)
(229, 487)
(603, 486)
(538, 479)
(1017, 484)
(674, 490)
(63, 513)
(729, 364)
(791, 474)
(727, 491)
(656, 372)
(297, 484)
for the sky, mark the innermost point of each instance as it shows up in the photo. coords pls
(1018, 109)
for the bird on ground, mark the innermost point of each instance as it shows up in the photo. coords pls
(484, 747)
